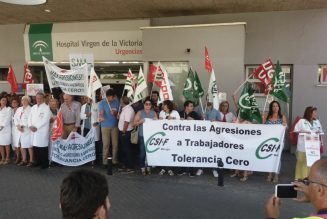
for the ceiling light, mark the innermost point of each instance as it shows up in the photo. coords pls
(24, 2)
(47, 10)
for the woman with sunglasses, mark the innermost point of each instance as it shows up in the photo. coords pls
(274, 117)
(308, 124)
(139, 119)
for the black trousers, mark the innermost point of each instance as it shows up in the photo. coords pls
(41, 156)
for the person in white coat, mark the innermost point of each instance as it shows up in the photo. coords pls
(39, 124)
(14, 131)
(24, 133)
(5, 130)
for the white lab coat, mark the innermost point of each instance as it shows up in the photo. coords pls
(21, 119)
(5, 121)
(14, 131)
(94, 118)
(40, 118)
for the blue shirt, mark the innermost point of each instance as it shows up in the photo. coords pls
(110, 121)
(213, 115)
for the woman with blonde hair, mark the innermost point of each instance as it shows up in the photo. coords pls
(24, 133)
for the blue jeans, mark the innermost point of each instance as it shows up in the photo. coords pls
(126, 148)
(142, 151)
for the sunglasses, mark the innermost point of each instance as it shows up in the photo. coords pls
(306, 181)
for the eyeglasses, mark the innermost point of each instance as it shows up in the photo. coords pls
(306, 181)
(148, 104)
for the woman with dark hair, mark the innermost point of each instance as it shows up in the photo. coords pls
(225, 114)
(139, 119)
(14, 131)
(275, 117)
(5, 130)
(307, 125)
(168, 112)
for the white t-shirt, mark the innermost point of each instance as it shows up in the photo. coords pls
(173, 114)
(127, 115)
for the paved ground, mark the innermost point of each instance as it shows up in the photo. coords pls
(34, 193)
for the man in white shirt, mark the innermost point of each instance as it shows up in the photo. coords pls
(39, 124)
(125, 127)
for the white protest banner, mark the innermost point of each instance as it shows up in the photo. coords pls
(73, 82)
(312, 148)
(77, 59)
(104, 90)
(189, 143)
(33, 89)
(76, 150)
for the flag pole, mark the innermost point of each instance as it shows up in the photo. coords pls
(264, 108)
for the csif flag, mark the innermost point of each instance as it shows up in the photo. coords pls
(249, 109)
(280, 89)
(192, 88)
(11, 78)
(265, 74)
(28, 78)
(57, 128)
(94, 84)
(141, 88)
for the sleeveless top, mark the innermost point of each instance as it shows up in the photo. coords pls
(145, 116)
(279, 121)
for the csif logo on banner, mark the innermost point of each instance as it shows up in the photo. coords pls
(268, 148)
(156, 142)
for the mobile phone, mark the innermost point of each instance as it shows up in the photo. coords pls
(285, 191)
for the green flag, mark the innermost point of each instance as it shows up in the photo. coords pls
(188, 91)
(280, 87)
(198, 90)
(248, 105)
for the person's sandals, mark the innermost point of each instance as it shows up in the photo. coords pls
(275, 180)
(244, 178)
(22, 163)
(143, 171)
(234, 175)
(30, 164)
(6, 162)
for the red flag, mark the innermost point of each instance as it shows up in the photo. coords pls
(28, 78)
(207, 62)
(11, 78)
(152, 73)
(265, 73)
(58, 128)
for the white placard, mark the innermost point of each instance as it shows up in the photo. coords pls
(73, 82)
(76, 150)
(77, 59)
(33, 89)
(312, 148)
(191, 143)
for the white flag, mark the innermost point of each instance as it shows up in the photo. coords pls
(130, 84)
(94, 84)
(165, 92)
(213, 91)
(141, 88)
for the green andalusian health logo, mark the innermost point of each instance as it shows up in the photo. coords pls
(155, 142)
(40, 41)
(268, 148)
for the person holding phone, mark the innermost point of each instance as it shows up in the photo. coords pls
(314, 189)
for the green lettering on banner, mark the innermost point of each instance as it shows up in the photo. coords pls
(40, 41)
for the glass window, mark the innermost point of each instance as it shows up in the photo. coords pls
(3, 74)
(322, 75)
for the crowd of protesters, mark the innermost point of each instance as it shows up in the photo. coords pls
(25, 128)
